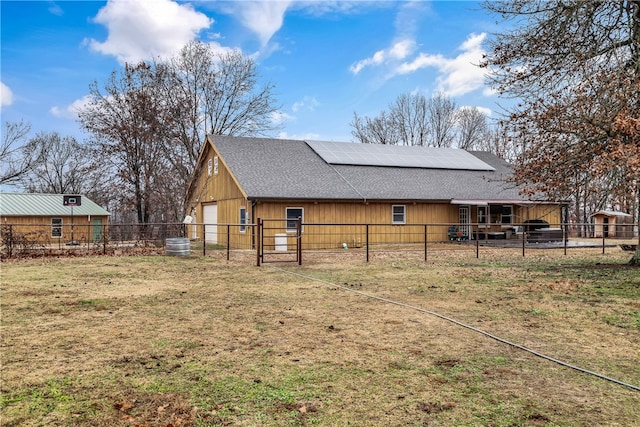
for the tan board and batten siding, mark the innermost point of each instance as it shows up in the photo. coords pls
(39, 227)
(214, 184)
(31, 214)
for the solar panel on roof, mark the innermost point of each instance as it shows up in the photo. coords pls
(345, 153)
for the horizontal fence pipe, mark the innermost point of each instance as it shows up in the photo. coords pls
(321, 236)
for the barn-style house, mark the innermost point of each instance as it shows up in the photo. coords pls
(239, 179)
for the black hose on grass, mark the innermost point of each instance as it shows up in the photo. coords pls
(464, 325)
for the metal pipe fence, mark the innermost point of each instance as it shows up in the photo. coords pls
(281, 240)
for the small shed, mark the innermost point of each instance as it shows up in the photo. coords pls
(612, 224)
(52, 218)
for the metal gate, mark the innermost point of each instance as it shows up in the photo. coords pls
(277, 243)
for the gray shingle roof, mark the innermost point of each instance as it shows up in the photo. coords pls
(33, 204)
(290, 169)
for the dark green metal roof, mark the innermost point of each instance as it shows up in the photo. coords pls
(33, 204)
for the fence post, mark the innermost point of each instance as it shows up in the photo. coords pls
(565, 236)
(204, 240)
(425, 243)
(10, 242)
(299, 240)
(258, 240)
(104, 239)
(603, 241)
(367, 240)
(524, 239)
(478, 243)
(228, 240)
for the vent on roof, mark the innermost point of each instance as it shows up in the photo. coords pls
(344, 153)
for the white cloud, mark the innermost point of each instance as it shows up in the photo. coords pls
(462, 74)
(422, 61)
(486, 111)
(143, 29)
(310, 136)
(280, 117)
(262, 17)
(308, 102)
(408, 18)
(456, 76)
(55, 9)
(397, 52)
(6, 95)
(70, 111)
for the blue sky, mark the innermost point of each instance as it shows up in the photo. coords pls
(326, 59)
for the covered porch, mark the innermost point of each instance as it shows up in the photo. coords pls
(508, 219)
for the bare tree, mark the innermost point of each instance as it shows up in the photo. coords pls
(129, 123)
(408, 121)
(239, 107)
(16, 156)
(575, 68)
(210, 92)
(441, 118)
(379, 130)
(472, 128)
(498, 143)
(65, 169)
(409, 118)
(216, 93)
(150, 121)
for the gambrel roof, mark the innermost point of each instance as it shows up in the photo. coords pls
(268, 168)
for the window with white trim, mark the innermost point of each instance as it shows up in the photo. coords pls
(398, 214)
(244, 220)
(56, 227)
(292, 217)
(482, 216)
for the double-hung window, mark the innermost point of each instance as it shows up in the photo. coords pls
(292, 217)
(506, 216)
(244, 220)
(398, 214)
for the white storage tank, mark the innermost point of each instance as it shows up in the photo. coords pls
(281, 242)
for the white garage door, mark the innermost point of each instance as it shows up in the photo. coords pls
(210, 220)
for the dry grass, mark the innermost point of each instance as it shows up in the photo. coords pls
(161, 341)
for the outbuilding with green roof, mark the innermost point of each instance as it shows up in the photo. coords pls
(52, 218)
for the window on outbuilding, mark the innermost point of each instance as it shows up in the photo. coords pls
(398, 214)
(292, 217)
(56, 227)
